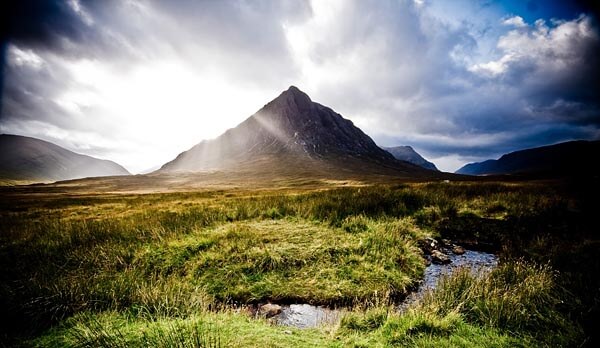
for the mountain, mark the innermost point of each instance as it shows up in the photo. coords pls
(25, 159)
(408, 154)
(571, 158)
(293, 134)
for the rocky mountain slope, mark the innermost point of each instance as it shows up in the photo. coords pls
(292, 132)
(408, 154)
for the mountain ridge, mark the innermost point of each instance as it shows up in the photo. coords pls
(571, 158)
(30, 159)
(408, 154)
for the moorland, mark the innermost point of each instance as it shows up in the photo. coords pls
(181, 269)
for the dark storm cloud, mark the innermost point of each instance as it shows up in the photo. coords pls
(62, 27)
(35, 23)
(52, 27)
(40, 23)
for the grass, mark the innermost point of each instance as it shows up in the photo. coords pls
(292, 260)
(167, 269)
(517, 297)
(229, 329)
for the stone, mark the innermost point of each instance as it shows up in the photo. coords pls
(269, 310)
(428, 245)
(440, 258)
(447, 243)
(458, 250)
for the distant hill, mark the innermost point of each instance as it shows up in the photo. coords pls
(571, 158)
(293, 134)
(25, 159)
(408, 154)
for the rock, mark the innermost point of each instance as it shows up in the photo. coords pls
(458, 250)
(447, 243)
(428, 245)
(440, 258)
(269, 310)
(287, 332)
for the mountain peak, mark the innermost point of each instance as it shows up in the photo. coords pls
(290, 128)
(294, 91)
(408, 154)
(292, 98)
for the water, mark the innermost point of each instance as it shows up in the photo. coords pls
(308, 316)
(476, 261)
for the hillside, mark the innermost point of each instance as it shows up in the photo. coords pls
(573, 158)
(25, 159)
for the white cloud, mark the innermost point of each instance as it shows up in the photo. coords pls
(20, 57)
(515, 21)
(543, 49)
(77, 8)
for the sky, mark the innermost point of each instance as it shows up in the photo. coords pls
(139, 81)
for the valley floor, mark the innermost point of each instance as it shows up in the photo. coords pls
(178, 269)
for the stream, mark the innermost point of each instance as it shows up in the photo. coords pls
(308, 316)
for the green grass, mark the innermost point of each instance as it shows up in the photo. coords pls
(122, 270)
(517, 297)
(291, 260)
(237, 330)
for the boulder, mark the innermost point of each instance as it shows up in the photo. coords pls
(269, 310)
(458, 250)
(428, 245)
(447, 243)
(440, 258)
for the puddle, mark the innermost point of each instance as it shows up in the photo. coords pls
(306, 316)
(309, 316)
(474, 260)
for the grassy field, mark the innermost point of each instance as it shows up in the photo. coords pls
(176, 269)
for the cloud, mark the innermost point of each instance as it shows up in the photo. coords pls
(515, 21)
(409, 77)
(140, 81)
(544, 49)
(552, 69)
(42, 24)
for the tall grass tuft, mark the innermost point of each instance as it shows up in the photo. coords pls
(515, 297)
(89, 332)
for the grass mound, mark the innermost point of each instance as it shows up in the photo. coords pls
(293, 260)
